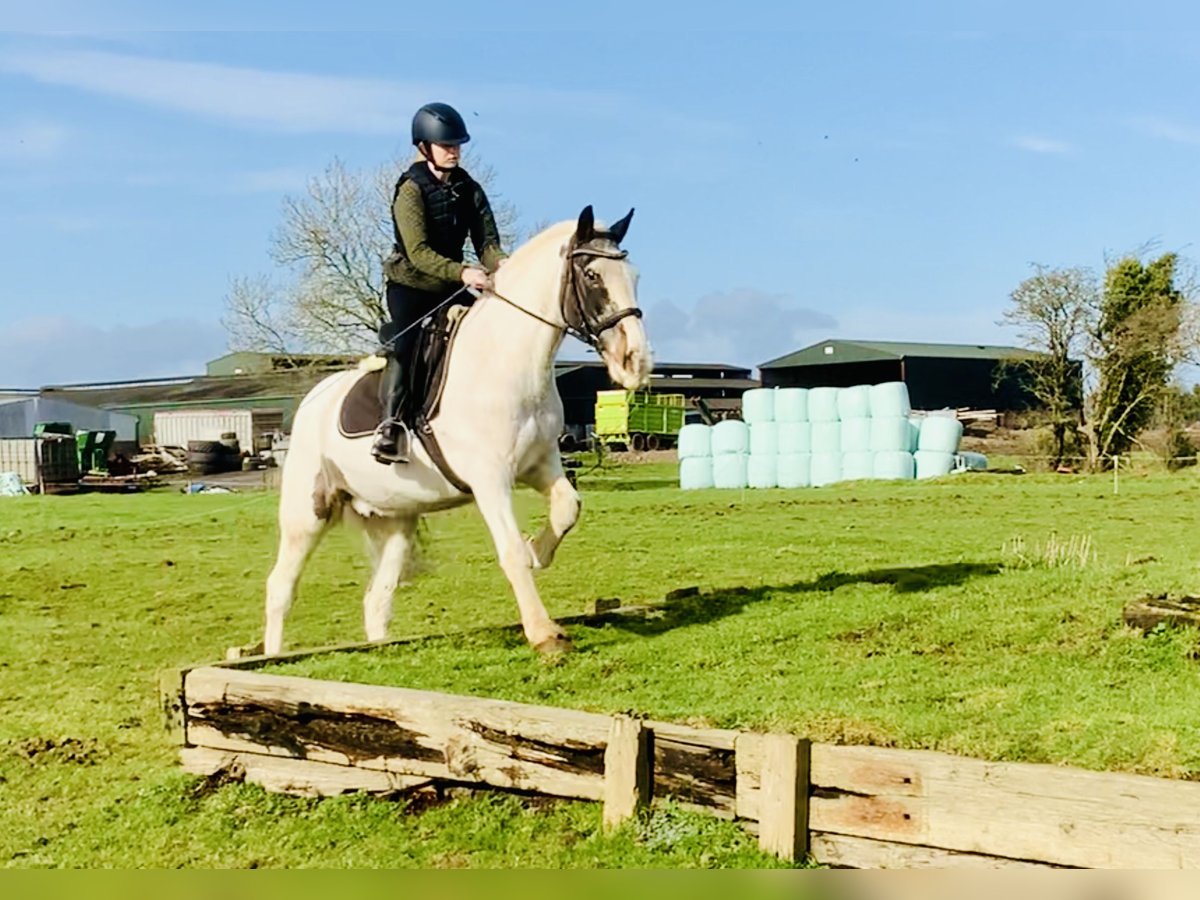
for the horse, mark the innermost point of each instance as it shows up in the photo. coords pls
(497, 426)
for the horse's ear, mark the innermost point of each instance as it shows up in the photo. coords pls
(618, 229)
(585, 230)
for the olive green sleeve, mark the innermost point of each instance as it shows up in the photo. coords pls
(409, 210)
(485, 236)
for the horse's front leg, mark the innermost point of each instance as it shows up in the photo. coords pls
(495, 503)
(563, 501)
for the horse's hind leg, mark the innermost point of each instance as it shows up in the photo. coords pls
(563, 500)
(303, 518)
(495, 503)
(390, 541)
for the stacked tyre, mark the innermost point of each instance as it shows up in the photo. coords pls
(205, 457)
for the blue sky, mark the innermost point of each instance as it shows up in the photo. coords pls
(795, 177)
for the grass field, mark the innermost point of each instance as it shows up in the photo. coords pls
(978, 615)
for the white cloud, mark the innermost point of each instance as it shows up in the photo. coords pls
(1167, 130)
(44, 350)
(287, 101)
(743, 327)
(1036, 144)
(32, 140)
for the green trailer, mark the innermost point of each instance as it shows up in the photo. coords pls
(640, 420)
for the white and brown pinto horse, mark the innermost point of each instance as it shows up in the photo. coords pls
(497, 426)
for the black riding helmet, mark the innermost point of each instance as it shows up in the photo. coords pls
(439, 123)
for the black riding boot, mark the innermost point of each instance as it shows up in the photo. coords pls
(391, 444)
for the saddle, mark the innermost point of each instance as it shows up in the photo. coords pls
(363, 406)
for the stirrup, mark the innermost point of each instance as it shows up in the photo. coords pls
(392, 444)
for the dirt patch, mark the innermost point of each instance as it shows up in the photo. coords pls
(64, 751)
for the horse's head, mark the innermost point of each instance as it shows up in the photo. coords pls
(599, 296)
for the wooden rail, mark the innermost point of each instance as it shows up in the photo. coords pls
(843, 805)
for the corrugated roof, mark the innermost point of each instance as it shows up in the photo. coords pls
(189, 390)
(838, 351)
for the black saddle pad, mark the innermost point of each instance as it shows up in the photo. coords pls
(362, 410)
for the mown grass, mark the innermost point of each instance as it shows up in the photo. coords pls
(932, 615)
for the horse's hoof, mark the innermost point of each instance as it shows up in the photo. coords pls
(243, 652)
(554, 648)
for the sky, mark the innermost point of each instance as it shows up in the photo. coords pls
(881, 173)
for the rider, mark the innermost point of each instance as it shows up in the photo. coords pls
(436, 205)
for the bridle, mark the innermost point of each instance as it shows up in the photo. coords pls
(580, 292)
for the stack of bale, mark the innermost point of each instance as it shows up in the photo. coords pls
(798, 437)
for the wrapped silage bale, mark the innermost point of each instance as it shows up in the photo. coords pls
(858, 465)
(940, 434)
(761, 471)
(914, 433)
(890, 399)
(791, 405)
(933, 464)
(794, 470)
(696, 473)
(891, 433)
(730, 436)
(758, 405)
(764, 439)
(856, 435)
(826, 437)
(729, 470)
(825, 468)
(895, 464)
(823, 404)
(854, 402)
(968, 461)
(795, 437)
(694, 441)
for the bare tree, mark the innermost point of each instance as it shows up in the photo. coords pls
(1052, 310)
(329, 249)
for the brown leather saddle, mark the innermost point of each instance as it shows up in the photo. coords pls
(362, 407)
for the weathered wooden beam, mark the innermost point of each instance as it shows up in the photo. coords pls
(302, 777)
(171, 699)
(1150, 612)
(1023, 811)
(454, 738)
(783, 796)
(847, 852)
(628, 765)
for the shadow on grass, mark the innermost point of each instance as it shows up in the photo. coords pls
(699, 609)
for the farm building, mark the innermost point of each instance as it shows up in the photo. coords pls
(271, 398)
(272, 386)
(719, 386)
(21, 411)
(937, 375)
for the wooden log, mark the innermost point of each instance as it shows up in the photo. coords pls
(628, 760)
(469, 740)
(783, 796)
(846, 852)
(1023, 811)
(301, 777)
(1150, 612)
(694, 767)
(171, 698)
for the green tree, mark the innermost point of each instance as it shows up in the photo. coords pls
(1138, 339)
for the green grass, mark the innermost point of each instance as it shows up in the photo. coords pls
(945, 615)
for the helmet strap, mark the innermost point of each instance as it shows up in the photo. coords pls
(423, 147)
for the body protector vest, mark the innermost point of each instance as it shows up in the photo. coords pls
(449, 208)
